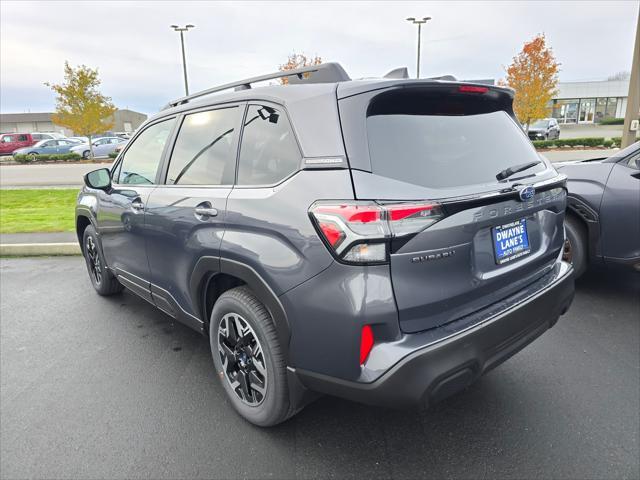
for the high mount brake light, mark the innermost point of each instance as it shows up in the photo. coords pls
(358, 231)
(472, 89)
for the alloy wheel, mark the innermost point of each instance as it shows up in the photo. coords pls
(95, 266)
(243, 360)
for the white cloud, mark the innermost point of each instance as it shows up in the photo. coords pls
(139, 59)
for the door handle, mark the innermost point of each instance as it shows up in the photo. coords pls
(205, 210)
(137, 205)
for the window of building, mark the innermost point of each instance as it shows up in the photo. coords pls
(566, 110)
(269, 152)
(610, 111)
(205, 150)
(601, 107)
(141, 160)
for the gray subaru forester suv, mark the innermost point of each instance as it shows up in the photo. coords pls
(384, 240)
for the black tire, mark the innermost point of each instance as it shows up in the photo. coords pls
(575, 251)
(33, 156)
(103, 281)
(273, 407)
(86, 154)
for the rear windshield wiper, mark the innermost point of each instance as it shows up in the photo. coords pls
(507, 172)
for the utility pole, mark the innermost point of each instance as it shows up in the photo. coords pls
(418, 22)
(632, 115)
(184, 59)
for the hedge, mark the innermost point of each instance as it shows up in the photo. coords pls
(67, 157)
(612, 121)
(113, 155)
(578, 142)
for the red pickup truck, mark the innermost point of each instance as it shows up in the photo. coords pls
(13, 141)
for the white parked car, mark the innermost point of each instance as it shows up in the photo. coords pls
(102, 147)
(47, 136)
(79, 139)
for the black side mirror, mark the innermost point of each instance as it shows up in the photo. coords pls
(99, 179)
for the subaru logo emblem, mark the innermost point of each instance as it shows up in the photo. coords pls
(527, 193)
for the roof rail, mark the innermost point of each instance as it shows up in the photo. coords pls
(323, 73)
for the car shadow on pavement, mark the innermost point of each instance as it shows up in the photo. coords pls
(521, 420)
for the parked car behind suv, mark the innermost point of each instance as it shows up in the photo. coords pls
(46, 147)
(13, 141)
(603, 214)
(545, 129)
(386, 240)
(102, 147)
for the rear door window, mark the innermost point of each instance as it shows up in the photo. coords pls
(205, 150)
(140, 163)
(269, 152)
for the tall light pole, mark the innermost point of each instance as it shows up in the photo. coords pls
(632, 115)
(418, 22)
(184, 60)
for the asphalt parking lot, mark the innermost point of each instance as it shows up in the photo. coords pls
(109, 388)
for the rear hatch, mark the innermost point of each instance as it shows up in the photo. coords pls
(451, 146)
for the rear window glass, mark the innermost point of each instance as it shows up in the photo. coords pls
(440, 151)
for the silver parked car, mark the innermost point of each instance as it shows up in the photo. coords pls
(102, 147)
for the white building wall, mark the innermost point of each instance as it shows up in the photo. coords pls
(618, 88)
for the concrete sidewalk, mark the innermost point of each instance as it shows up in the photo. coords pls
(29, 244)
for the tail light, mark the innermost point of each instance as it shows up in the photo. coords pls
(359, 232)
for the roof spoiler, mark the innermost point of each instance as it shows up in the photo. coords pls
(324, 73)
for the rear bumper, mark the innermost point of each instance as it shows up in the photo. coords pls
(432, 372)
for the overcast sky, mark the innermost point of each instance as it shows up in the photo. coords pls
(138, 56)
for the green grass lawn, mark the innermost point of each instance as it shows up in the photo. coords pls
(37, 210)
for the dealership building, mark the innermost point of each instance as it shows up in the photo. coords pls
(123, 121)
(590, 102)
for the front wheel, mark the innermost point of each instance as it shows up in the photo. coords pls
(248, 359)
(86, 154)
(575, 245)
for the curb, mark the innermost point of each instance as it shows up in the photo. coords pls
(38, 249)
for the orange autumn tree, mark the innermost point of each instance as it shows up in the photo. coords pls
(79, 104)
(534, 76)
(297, 60)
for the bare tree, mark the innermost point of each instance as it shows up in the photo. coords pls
(619, 76)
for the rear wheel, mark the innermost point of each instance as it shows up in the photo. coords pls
(575, 245)
(103, 281)
(248, 359)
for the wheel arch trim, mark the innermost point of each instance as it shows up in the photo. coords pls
(207, 267)
(590, 219)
